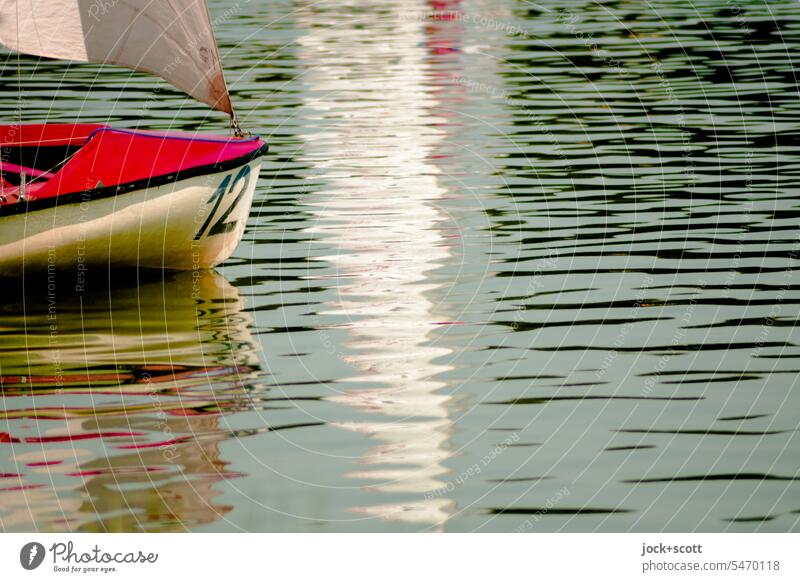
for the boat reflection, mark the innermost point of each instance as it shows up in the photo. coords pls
(382, 216)
(113, 398)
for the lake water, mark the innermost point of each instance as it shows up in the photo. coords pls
(511, 267)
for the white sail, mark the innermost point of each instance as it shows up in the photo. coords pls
(172, 39)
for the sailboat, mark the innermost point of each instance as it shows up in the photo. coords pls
(76, 196)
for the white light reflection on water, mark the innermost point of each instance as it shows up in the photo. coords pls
(380, 211)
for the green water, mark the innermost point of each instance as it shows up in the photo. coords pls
(511, 267)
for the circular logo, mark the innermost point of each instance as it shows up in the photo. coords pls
(31, 555)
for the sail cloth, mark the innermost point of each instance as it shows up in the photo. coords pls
(172, 39)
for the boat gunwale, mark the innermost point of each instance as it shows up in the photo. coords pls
(100, 128)
(173, 136)
(90, 195)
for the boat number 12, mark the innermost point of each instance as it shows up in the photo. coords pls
(220, 226)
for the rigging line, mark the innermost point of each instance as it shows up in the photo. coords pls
(64, 161)
(19, 67)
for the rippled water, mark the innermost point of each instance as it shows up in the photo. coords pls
(511, 266)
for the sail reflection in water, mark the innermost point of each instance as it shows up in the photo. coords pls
(380, 212)
(112, 401)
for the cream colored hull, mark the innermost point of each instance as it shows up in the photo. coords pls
(190, 224)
